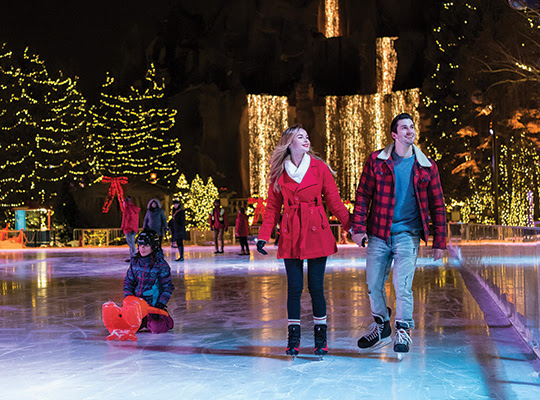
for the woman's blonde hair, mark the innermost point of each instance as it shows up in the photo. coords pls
(277, 161)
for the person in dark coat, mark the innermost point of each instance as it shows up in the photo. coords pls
(155, 219)
(177, 227)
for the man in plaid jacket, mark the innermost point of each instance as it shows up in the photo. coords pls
(399, 190)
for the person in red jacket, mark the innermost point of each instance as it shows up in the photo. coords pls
(130, 224)
(218, 224)
(399, 191)
(242, 231)
(298, 181)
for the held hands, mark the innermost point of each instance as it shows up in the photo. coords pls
(437, 254)
(360, 239)
(260, 245)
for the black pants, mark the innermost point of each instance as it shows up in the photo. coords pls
(243, 244)
(180, 246)
(295, 285)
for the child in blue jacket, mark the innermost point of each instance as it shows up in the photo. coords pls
(149, 277)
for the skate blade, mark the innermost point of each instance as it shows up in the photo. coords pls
(380, 344)
(400, 356)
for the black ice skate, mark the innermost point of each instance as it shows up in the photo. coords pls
(402, 339)
(378, 336)
(321, 345)
(293, 343)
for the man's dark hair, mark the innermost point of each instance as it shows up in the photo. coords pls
(397, 118)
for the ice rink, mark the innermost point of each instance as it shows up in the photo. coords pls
(230, 333)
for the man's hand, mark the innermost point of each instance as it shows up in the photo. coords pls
(437, 254)
(360, 239)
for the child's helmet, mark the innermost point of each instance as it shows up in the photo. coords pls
(148, 237)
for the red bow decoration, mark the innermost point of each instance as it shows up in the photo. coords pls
(115, 189)
(260, 208)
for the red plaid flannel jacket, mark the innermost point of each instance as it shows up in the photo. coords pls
(374, 207)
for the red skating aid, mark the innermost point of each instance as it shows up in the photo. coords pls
(122, 323)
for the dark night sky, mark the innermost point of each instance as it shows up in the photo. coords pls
(82, 38)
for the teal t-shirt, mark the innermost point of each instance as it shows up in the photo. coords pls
(406, 214)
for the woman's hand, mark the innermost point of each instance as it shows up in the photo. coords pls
(260, 247)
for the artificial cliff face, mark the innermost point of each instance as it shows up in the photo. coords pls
(214, 53)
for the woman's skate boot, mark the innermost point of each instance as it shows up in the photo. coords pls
(402, 339)
(321, 346)
(293, 342)
(378, 335)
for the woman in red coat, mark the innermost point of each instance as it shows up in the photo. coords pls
(241, 229)
(298, 181)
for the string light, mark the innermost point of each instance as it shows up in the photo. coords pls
(268, 118)
(358, 125)
(131, 132)
(198, 199)
(42, 130)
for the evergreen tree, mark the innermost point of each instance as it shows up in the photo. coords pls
(475, 94)
(131, 132)
(42, 122)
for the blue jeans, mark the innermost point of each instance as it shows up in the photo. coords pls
(295, 285)
(402, 248)
(130, 239)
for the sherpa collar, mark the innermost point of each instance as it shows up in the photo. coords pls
(297, 174)
(386, 153)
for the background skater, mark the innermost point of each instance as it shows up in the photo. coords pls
(130, 224)
(218, 224)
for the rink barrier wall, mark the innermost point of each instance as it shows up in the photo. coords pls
(195, 237)
(514, 288)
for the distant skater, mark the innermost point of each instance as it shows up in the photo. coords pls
(177, 226)
(130, 224)
(218, 224)
(155, 219)
(298, 181)
(399, 191)
(242, 231)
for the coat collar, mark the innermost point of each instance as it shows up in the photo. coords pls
(386, 153)
(309, 179)
(297, 173)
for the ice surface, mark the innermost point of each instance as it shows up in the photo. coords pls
(230, 333)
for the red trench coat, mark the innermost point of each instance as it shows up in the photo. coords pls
(305, 231)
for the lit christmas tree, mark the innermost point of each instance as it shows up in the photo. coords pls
(131, 132)
(43, 133)
(481, 83)
(198, 199)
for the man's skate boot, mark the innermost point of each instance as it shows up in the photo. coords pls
(293, 342)
(402, 338)
(378, 336)
(321, 346)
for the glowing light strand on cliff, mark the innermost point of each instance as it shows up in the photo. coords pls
(357, 125)
(268, 118)
(331, 14)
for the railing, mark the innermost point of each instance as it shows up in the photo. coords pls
(195, 237)
(99, 237)
(495, 233)
(506, 262)
(29, 238)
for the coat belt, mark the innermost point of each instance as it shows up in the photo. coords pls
(300, 214)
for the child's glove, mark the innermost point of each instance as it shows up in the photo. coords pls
(260, 245)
